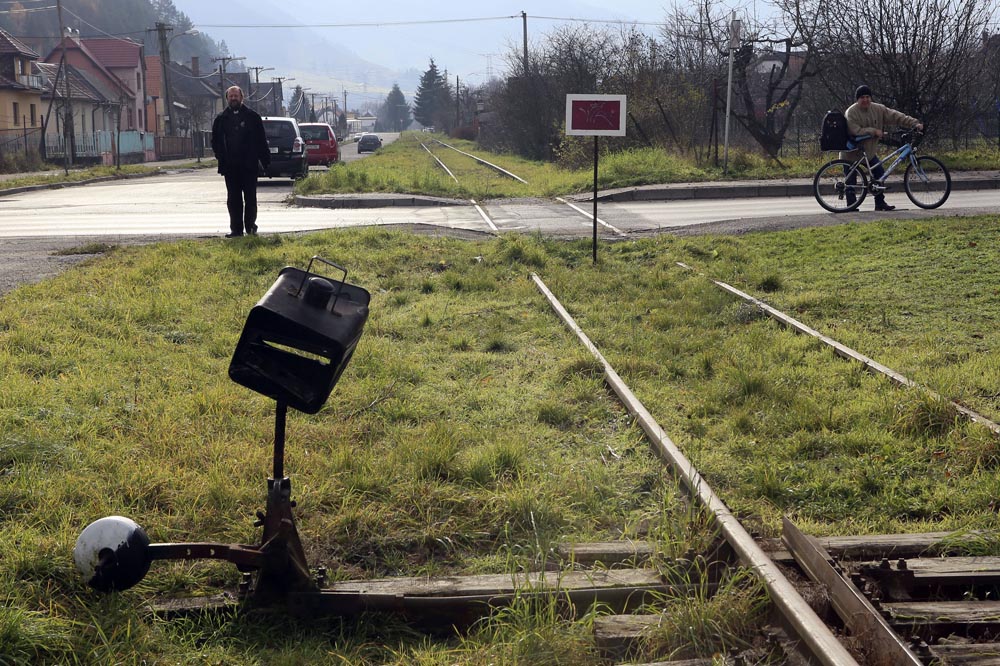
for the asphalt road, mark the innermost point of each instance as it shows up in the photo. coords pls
(193, 203)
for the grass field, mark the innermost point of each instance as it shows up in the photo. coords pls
(404, 166)
(471, 433)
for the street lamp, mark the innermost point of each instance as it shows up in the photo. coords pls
(164, 70)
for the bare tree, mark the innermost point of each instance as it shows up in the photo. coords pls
(916, 55)
(772, 62)
(530, 110)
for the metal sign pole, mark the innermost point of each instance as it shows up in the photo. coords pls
(734, 37)
(595, 115)
(595, 200)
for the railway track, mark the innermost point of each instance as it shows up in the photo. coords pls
(878, 600)
(489, 166)
(885, 599)
(893, 599)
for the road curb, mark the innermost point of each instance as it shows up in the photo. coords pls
(689, 191)
(373, 201)
(75, 183)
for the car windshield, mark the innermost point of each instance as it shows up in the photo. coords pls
(319, 133)
(278, 130)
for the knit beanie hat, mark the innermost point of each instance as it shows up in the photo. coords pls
(862, 91)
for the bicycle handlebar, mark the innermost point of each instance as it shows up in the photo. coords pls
(912, 136)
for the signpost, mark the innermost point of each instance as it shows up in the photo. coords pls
(596, 116)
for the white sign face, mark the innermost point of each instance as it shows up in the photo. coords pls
(595, 115)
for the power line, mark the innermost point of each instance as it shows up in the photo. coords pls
(356, 25)
(585, 20)
(106, 34)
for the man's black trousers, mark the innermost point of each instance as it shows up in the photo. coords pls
(241, 188)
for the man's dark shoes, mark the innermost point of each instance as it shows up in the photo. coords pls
(252, 230)
(234, 235)
(881, 205)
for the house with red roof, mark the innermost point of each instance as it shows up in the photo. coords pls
(118, 64)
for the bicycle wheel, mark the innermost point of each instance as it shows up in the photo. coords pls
(927, 183)
(832, 190)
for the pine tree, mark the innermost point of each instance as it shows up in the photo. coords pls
(428, 99)
(394, 114)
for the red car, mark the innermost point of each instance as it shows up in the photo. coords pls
(321, 144)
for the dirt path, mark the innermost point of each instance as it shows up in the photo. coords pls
(30, 260)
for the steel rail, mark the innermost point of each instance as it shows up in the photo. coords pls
(884, 646)
(801, 618)
(844, 351)
(440, 163)
(484, 162)
(590, 216)
(479, 209)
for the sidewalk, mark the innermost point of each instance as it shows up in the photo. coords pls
(164, 164)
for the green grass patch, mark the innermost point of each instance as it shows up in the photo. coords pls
(76, 175)
(471, 433)
(404, 166)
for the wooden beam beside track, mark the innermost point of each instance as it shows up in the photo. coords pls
(809, 629)
(882, 644)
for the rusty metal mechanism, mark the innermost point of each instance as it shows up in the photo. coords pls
(295, 344)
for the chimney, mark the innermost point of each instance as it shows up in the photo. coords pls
(194, 66)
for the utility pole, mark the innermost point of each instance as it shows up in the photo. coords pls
(274, 97)
(68, 117)
(524, 21)
(168, 104)
(223, 61)
(458, 104)
(257, 71)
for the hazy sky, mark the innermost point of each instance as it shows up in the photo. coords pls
(325, 54)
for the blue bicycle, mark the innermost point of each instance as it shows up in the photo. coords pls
(841, 185)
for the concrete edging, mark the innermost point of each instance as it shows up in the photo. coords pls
(373, 201)
(75, 183)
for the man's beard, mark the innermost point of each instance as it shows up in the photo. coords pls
(234, 104)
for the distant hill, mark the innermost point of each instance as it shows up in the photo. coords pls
(313, 60)
(99, 18)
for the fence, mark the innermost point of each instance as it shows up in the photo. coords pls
(174, 147)
(99, 147)
(14, 142)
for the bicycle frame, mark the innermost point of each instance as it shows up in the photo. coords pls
(896, 157)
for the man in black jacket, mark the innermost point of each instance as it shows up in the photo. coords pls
(239, 143)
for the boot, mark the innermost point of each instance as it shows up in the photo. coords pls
(880, 203)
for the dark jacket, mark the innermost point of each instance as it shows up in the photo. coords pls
(239, 142)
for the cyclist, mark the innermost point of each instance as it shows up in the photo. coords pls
(867, 117)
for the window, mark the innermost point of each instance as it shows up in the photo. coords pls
(17, 114)
(138, 82)
(34, 115)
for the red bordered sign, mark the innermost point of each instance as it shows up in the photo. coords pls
(595, 115)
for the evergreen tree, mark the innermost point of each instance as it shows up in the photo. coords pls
(394, 114)
(433, 99)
